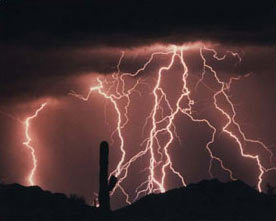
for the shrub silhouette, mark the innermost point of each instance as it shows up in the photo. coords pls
(77, 199)
(270, 189)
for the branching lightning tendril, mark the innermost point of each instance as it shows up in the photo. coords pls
(28, 141)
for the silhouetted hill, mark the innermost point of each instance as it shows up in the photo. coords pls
(32, 203)
(207, 200)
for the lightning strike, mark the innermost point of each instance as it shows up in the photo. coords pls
(231, 120)
(163, 124)
(28, 141)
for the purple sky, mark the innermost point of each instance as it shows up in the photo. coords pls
(50, 48)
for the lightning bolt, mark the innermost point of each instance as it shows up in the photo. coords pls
(231, 120)
(161, 122)
(28, 141)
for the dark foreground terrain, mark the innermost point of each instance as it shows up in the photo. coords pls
(207, 200)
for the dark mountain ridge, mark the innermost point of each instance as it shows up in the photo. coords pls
(32, 203)
(206, 200)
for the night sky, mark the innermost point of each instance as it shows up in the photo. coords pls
(49, 48)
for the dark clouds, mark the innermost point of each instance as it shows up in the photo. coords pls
(128, 23)
(29, 74)
(42, 42)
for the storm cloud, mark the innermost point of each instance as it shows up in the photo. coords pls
(45, 43)
(128, 23)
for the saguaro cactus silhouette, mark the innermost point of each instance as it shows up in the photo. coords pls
(105, 186)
